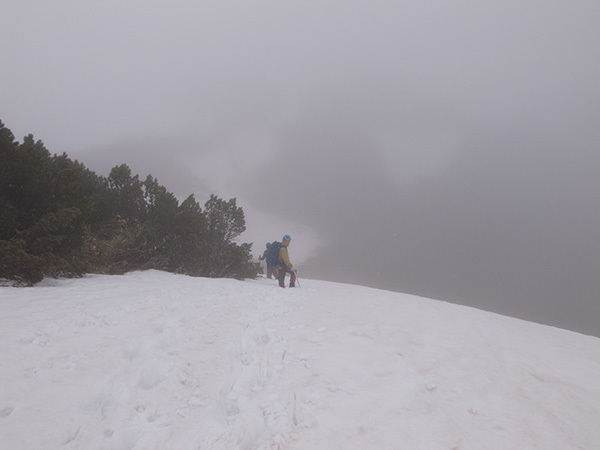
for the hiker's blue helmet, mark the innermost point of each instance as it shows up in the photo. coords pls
(286, 238)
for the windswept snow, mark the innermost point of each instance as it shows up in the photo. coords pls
(151, 360)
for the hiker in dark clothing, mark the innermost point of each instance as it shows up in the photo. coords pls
(270, 269)
(284, 265)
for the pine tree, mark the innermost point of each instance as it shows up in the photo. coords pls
(225, 222)
(57, 218)
(188, 249)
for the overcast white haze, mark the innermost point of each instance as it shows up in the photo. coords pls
(446, 149)
(151, 360)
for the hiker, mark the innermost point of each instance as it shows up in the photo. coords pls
(270, 270)
(283, 263)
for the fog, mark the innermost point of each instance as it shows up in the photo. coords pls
(509, 223)
(446, 149)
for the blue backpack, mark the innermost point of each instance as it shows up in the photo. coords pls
(273, 254)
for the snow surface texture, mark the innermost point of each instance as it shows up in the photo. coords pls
(151, 360)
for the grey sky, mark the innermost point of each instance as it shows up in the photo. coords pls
(449, 149)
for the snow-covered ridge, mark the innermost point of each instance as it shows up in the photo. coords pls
(151, 360)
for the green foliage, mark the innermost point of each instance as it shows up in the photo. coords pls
(17, 264)
(225, 222)
(57, 218)
(125, 192)
(188, 239)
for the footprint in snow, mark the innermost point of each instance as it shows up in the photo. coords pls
(7, 411)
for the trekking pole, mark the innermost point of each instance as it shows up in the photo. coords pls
(297, 281)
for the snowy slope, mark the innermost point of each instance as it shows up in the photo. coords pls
(152, 360)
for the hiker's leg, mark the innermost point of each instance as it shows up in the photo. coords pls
(281, 276)
(292, 279)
